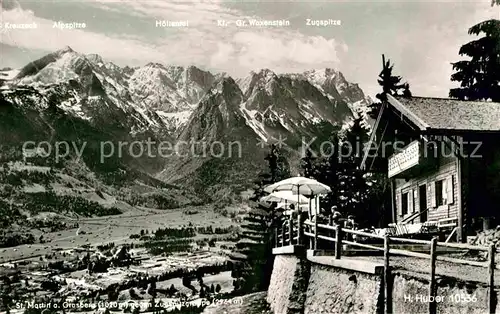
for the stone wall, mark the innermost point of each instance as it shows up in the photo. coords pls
(333, 290)
(410, 295)
(286, 293)
(310, 284)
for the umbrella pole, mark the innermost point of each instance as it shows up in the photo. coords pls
(298, 200)
(299, 223)
(316, 204)
(310, 209)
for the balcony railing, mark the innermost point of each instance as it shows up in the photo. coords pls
(412, 155)
(294, 233)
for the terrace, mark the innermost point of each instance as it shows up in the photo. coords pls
(362, 251)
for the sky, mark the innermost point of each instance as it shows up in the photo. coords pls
(421, 38)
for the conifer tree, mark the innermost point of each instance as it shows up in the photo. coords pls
(479, 77)
(354, 139)
(328, 168)
(391, 84)
(307, 164)
(352, 182)
(377, 198)
(406, 90)
(172, 289)
(152, 289)
(340, 170)
(278, 165)
(253, 256)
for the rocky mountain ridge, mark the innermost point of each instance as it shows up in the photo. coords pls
(163, 97)
(188, 104)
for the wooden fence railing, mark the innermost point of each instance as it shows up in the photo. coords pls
(288, 234)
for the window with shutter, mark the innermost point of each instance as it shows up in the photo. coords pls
(450, 190)
(439, 197)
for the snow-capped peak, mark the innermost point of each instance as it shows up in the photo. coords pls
(8, 74)
(225, 86)
(320, 76)
(262, 80)
(267, 74)
(65, 50)
(95, 58)
(155, 65)
(62, 66)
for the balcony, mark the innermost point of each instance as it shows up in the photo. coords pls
(409, 161)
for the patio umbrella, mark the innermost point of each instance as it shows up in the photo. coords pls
(299, 186)
(285, 196)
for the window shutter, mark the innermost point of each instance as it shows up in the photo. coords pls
(433, 194)
(450, 192)
(414, 200)
(410, 201)
(399, 204)
(444, 192)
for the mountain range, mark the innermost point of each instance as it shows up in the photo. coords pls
(68, 95)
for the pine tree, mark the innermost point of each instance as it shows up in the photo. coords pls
(327, 169)
(253, 256)
(353, 185)
(354, 140)
(377, 200)
(406, 90)
(152, 289)
(390, 84)
(278, 165)
(307, 164)
(172, 289)
(479, 77)
(378, 205)
(6, 297)
(341, 172)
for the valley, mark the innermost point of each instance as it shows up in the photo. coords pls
(117, 229)
(27, 270)
(87, 226)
